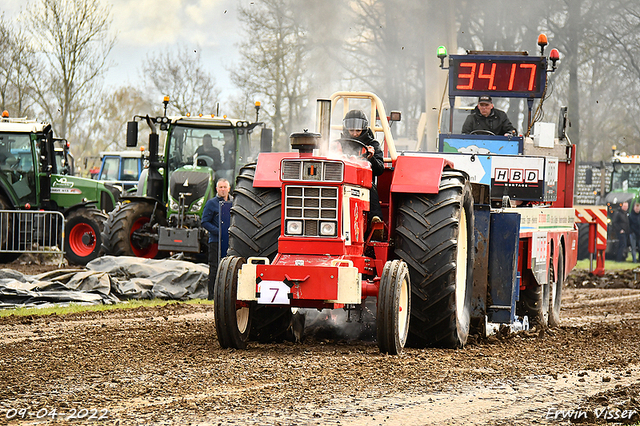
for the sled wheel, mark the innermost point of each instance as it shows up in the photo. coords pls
(535, 304)
(83, 238)
(232, 319)
(434, 236)
(556, 292)
(394, 307)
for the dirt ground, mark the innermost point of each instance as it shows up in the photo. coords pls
(164, 366)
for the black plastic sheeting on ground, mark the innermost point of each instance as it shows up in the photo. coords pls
(106, 280)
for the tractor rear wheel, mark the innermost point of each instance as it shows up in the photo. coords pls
(83, 235)
(7, 238)
(123, 222)
(255, 218)
(555, 294)
(232, 319)
(254, 230)
(394, 307)
(435, 237)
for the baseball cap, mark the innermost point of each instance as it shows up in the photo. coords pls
(485, 98)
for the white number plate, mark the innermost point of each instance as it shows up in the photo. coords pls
(273, 293)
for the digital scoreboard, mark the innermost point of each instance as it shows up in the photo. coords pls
(512, 76)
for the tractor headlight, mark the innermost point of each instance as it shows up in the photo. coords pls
(294, 227)
(328, 229)
(197, 205)
(173, 204)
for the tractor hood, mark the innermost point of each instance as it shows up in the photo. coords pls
(193, 182)
(619, 197)
(68, 191)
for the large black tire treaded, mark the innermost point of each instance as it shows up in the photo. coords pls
(253, 231)
(555, 293)
(255, 218)
(83, 235)
(393, 307)
(427, 234)
(583, 241)
(534, 303)
(118, 230)
(232, 324)
(5, 238)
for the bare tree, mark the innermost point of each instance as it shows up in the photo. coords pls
(273, 64)
(73, 39)
(181, 76)
(15, 56)
(386, 49)
(106, 128)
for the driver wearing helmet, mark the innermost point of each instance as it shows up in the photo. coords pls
(356, 126)
(485, 117)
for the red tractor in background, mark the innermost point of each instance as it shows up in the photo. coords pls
(298, 238)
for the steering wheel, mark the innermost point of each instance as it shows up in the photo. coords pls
(483, 132)
(352, 146)
(208, 161)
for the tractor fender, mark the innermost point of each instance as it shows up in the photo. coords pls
(66, 212)
(418, 175)
(268, 169)
(134, 198)
(160, 208)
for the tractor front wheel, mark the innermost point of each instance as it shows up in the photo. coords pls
(232, 318)
(83, 235)
(254, 230)
(394, 307)
(124, 232)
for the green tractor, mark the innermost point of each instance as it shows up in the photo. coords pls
(36, 174)
(624, 187)
(164, 215)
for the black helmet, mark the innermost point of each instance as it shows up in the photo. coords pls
(355, 120)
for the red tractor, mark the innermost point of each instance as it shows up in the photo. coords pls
(299, 239)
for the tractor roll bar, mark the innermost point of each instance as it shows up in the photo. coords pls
(377, 112)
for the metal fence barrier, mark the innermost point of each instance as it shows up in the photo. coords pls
(26, 231)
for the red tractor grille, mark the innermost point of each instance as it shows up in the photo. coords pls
(317, 170)
(311, 211)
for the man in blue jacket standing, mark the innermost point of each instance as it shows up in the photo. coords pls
(211, 222)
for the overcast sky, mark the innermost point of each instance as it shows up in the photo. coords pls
(148, 26)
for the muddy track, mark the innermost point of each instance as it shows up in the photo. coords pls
(164, 366)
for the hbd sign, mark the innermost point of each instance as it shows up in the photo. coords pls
(521, 178)
(516, 177)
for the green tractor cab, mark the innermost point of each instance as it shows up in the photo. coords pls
(36, 173)
(164, 215)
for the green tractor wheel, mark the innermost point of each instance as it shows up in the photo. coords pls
(83, 238)
(125, 233)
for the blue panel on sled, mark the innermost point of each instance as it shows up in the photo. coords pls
(503, 266)
(481, 144)
(481, 262)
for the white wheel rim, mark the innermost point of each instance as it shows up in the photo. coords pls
(403, 310)
(461, 265)
(242, 319)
